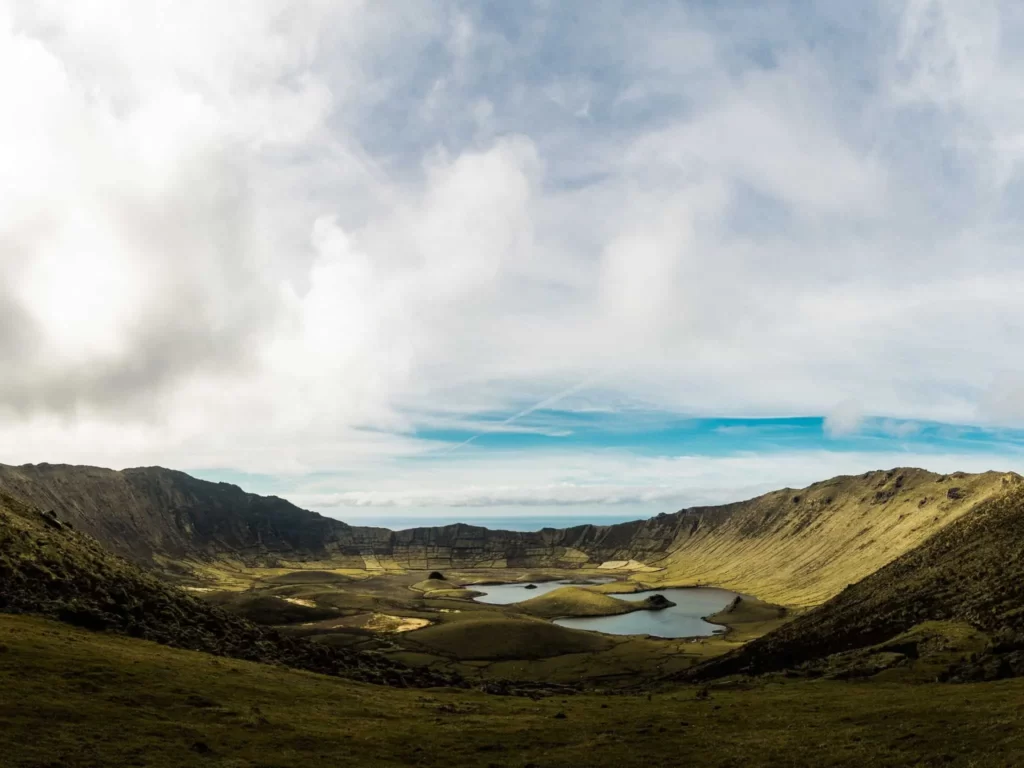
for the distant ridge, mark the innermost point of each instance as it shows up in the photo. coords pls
(796, 547)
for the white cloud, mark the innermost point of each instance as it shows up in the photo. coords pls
(1003, 402)
(279, 236)
(845, 419)
(900, 429)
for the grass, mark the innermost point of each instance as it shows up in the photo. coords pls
(619, 662)
(969, 573)
(269, 610)
(432, 585)
(76, 699)
(801, 547)
(47, 568)
(309, 577)
(501, 637)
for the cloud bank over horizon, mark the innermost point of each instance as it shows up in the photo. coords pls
(374, 252)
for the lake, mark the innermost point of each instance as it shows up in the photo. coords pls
(681, 620)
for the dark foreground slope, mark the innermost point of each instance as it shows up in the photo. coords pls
(85, 700)
(971, 574)
(49, 569)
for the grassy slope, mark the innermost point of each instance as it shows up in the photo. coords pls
(971, 574)
(47, 568)
(269, 610)
(800, 548)
(82, 700)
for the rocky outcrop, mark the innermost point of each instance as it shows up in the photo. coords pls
(656, 603)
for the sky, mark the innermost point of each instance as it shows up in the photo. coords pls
(512, 262)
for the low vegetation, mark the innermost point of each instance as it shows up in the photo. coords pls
(270, 610)
(920, 577)
(499, 637)
(77, 699)
(970, 574)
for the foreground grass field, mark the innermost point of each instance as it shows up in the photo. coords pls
(76, 699)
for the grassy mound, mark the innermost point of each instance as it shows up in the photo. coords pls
(747, 610)
(49, 569)
(574, 601)
(505, 638)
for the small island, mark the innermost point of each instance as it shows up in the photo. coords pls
(578, 602)
(656, 602)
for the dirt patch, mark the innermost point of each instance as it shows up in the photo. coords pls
(625, 565)
(299, 601)
(386, 623)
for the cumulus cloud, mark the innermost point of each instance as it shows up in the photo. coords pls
(284, 236)
(845, 419)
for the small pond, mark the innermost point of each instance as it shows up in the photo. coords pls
(681, 620)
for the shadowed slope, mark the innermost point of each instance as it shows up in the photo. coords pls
(49, 569)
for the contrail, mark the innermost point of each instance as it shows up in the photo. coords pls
(542, 404)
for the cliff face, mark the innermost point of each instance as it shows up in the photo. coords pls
(153, 515)
(795, 547)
